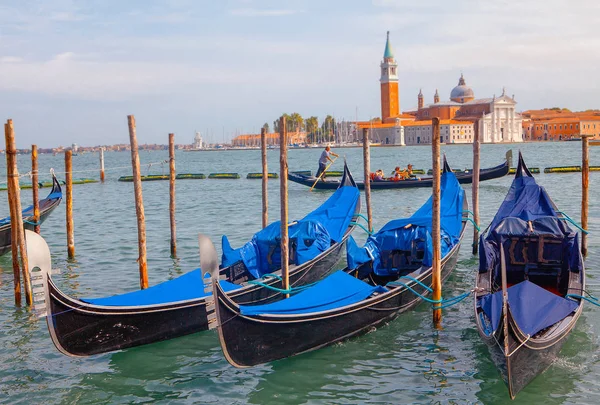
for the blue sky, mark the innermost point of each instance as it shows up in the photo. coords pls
(71, 71)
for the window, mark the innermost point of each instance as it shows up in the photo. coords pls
(554, 126)
(571, 126)
(576, 126)
(560, 126)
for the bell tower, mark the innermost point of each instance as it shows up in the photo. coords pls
(420, 100)
(390, 100)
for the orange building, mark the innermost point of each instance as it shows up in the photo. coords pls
(253, 140)
(559, 125)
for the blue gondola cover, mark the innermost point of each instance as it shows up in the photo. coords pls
(414, 232)
(532, 307)
(311, 235)
(335, 291)
(186, 287)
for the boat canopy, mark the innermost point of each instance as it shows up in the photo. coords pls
(335, 291)
(414, 233)
(186, 287)
(308, 237)
(532, 307)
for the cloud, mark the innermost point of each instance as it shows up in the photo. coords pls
(11, 59)
(253, 12)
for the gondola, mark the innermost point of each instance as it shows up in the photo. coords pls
(47, 205)
(530, 282)
(83, 327)
(465, 177)
(378, 285)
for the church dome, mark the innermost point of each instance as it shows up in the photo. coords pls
(462, 93)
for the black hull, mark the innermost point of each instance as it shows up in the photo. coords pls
(248, 341)
(527, 358)
(484, 174)
(81, 329)
(47, 205)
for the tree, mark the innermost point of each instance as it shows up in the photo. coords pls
(266, 127)
(328, 128)
(295, 122)
(312, 126)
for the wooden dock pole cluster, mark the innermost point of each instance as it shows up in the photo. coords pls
(585, 184)
(16, 219)
(367, 174)
(475, 186)
(69, 208)
(172, 175)
(283, 183)
(139, 203)
(265, 178)
(35, 188)
(436, 278)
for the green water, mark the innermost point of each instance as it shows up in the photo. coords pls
(406, 361)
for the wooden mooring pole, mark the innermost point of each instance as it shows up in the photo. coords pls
(172, 194)
(436, 278)
(585, 184)
(102, 164)
(475, 186)
(367, 174)
(16, 220)
(35, 188)
(283, 183)
(265, 178)
(69, 208)
(139, 203)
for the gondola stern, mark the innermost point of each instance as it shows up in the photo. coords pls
(347, 178)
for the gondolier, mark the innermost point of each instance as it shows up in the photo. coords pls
(325, 156)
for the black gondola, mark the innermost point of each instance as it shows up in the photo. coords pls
(530, 282)
(374, 289)
(414, 182)
(47, 205)
(83, 327)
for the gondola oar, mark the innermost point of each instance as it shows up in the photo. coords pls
(319, 178)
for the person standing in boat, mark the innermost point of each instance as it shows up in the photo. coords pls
(325, 156)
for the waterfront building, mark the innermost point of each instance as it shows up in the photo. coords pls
(498, 120)
(198, 143)
(560, 124)
(253, 140)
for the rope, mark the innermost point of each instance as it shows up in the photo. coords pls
(592, 300)
(436, 304)
(291, 290)
(361, 226)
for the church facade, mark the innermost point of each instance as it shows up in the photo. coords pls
(496, 117)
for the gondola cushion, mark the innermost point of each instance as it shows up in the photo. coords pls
(186, 287)
(532, 307)
(335, 291)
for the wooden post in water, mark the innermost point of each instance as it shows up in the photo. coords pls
(585, 183)
(16, 220)
(367, 173)
(102, 164)
(172, 194)
(10, 156)
(69, 208)
(436, 279)
(265, 178)
(283, 183)
(35, 188)
(475, 186)
(139, 203)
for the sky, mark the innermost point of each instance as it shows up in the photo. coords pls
(71, 71)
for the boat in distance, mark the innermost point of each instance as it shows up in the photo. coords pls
(251, 274)
(414, 182)
(530, 283)
(47, 205)
(379, 283)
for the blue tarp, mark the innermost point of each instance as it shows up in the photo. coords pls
(335, 291)
(398, 235)
(186, 287)
(527, 201)
(532, 307)
(311, 235)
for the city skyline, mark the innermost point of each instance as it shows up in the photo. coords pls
(72, 72)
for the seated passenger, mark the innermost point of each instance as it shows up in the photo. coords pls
(379, 175)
